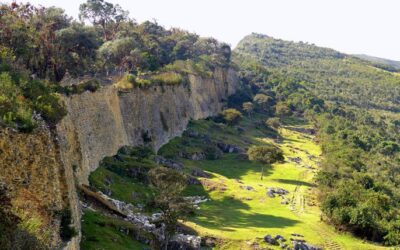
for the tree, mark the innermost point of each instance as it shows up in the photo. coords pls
(281, 109)
(273, 122)
(169, 184)
(265, 155)
(248, 107)
(231, 116)
(104, 14)
(263, 101)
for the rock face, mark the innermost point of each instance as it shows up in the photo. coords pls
(100, 123)
(31, 169)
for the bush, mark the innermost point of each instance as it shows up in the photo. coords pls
(169, 78)
(231, 116)
(273, 122)
(282, 109)
(265, 154)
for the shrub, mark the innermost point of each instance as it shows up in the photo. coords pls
(169, 78)
(265, 154)
(273, 122)
(231, 116)
(282, 109)
(126, 82)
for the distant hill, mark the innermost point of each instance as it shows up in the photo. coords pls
(331, 75)
(392, 63)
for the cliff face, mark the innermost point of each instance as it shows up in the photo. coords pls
(30, 167)
(100, 123)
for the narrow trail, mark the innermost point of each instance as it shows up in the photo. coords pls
(298, 201)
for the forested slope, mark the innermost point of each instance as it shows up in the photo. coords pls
(354, 105)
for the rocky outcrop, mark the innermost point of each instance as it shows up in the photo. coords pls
(31, 169)
(99, 123)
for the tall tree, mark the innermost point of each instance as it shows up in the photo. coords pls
(104, 14)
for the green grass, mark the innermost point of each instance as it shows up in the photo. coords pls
(122, 187)
(238, 214)
(103, 232)
(233, 214)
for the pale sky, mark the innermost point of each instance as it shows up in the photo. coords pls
(352, 26)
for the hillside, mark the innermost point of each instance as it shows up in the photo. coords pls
(123, 135)
(355, 108)
(378, 60)
(331, 75)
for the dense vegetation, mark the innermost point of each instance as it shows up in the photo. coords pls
(354, 106)
(39, 46)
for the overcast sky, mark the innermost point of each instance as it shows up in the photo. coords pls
(351, 26)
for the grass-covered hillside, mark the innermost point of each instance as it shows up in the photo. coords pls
(330, 75)
(354, 106)
(238, 211)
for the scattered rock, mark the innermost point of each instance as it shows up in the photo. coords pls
(193, 181)
(200, 173)
(108, 181)
(304, 246)
(279, 238)
(184, 241)
(297, 235)
(227, 148)
(295, 159)
(271, 193)
(248, 188)
(209, 241)
(270, 240)
(198, 156)
(107, 191)
(276, 191)
(168, 163)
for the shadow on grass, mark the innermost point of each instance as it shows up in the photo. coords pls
(294, 182)
(231, 167)
(229, 213)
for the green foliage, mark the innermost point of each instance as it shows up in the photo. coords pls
(354, 106)
(105, 232)
(231, 116)
(273, 122)
(282, 109)
(265, 154)
(169, 184)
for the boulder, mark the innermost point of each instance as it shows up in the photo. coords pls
(199, 173)
(304, 246)
(270, 240)
(209, 241)
(193, 181)
(248, 188)
(168, 163)
(185, 242)
(276, 191)
(271, 193)
(227, 148)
